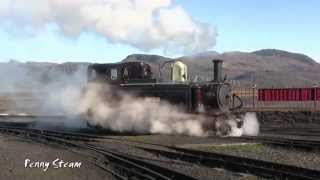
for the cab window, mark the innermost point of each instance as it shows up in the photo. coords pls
(114, 74)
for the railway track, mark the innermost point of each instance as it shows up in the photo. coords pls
(234, 163)
(295, 131)
(125, 163)
(268, 140)
(303, 144)
(238, 164)
(120, 165)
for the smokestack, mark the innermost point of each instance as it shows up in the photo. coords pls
(217, 70)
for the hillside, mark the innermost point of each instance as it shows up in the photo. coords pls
(279, 53)
(266, 68)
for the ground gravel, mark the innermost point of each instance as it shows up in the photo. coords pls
(191, 169)
(14, 151)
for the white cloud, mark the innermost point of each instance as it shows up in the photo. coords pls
(144, 24)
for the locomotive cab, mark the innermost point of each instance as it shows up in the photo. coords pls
(120, 73)
(179, 72)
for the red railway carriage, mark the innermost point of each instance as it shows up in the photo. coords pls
(289, 94)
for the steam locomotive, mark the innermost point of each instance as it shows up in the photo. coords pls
(136, 78)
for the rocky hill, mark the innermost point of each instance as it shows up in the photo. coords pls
(266, 68)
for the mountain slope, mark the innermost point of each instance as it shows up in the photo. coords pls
(280, 53)
(266, 68)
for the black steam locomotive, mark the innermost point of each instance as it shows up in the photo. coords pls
(136, 78)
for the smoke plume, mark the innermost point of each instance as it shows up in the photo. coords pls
(143, 115)
(144, 24)
(39, 88)
(246, 124)
(49, 91)
(250, 124)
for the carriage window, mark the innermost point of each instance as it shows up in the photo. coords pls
(114, 74)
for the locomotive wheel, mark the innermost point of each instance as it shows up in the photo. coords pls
(224, 97)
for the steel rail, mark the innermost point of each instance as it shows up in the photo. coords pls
(256, 167)
(238, 164)
(132, 167)
(281, 141)
(233, 163)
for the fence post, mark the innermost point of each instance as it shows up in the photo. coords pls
(253, 95)
(315, 98)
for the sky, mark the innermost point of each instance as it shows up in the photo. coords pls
(291, 25)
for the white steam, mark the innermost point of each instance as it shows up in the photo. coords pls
(50, 91)
(250, 124)
(147, 115)
(40, 88)
(230, 126)
(144, 24)
(63, 92)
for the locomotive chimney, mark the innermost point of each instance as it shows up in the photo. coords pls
(217, 70)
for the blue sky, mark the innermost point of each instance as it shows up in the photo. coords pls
(247, 25)
(243, 25)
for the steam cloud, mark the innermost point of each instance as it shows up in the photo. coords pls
(39, 88)
(60, 94)
(229, 127)
(143, 115)
(144, 24)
